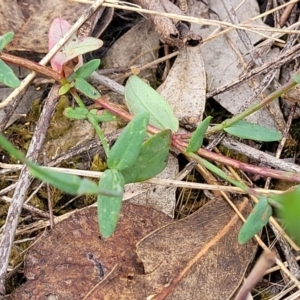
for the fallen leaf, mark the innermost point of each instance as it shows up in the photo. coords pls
(31, 21)
(195, 258)
(74, 133)
(185, 86)
(221, 57)
(66, 262)
(138, 46)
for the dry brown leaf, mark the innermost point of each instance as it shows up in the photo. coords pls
(173, 32)
(185, 86)
(195, 258)
(12, 17)
(30, 21)
(65, 262)
(221, 55)
(138, 46)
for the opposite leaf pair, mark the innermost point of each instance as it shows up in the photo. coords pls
(130, 160)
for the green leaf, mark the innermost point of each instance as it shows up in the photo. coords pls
(68, 183)
(126, 149)
(289, 211)
(198, 136)
(88, 68)
(297, 78)
(64, 88)
(77, 113)
(85, 88)
(257, 219)
(5, 39)
(6, 145)
(7, 76)
(71, 184)
(140, 97)
(109, 207)
(152, 158)
(81, 113)
(75, 46)
(106, 116)
(245, 130)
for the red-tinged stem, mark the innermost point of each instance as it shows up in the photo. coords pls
(120, 112)
(181, 145)
(31, 65)
(264, 172)
(253, 108)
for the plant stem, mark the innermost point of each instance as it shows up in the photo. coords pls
(181, 146)
(253, 108)
(92, 120)
(31, 65)
(218, 172)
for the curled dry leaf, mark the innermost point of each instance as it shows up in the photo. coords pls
(173, 32)
(185, 86)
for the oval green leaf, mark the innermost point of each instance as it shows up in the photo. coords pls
(109, 206)
(7, 76)
(126, 149)
(76, 46)
(246, 130)
(152, 158)
(68, 183)
(64, 89)
(87, 69)
(198, 136)
(77, 113)
(257, 219)
(140, 97)
(5, 39)
(106, 116)
(85, 88)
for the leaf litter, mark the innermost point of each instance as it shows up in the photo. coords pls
(154, 272)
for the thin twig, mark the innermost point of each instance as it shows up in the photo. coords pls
(30, 208)
(164, 182)
(273, 64)
(243, 26)
(50, 206)
(242, 34)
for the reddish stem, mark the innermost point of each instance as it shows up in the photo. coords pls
(28, 64)
(181, 146)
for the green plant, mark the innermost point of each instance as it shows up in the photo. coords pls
(135, 158)
(7, 76)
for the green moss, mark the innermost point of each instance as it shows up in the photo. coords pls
(59, 123)
(98, 164)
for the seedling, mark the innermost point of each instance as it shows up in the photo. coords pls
(135, 158)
